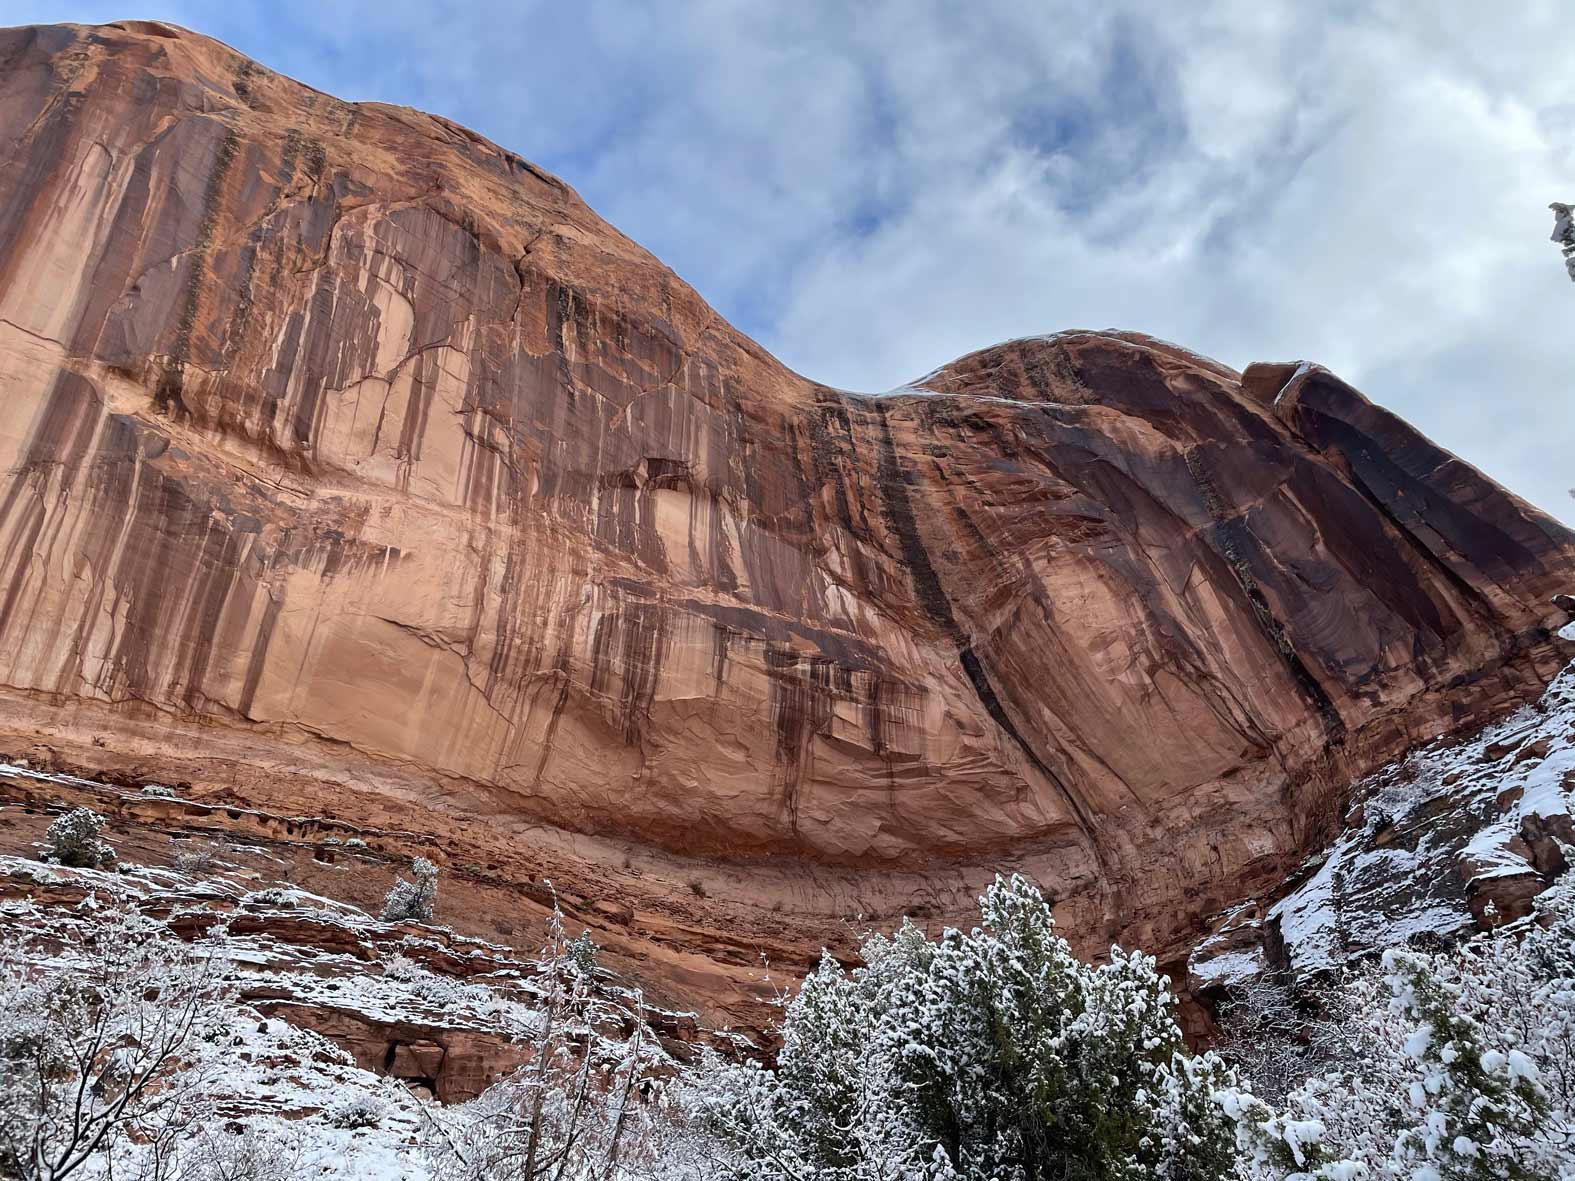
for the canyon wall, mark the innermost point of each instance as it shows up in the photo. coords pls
(353, 466)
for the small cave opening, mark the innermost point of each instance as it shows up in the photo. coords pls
(416, 1065)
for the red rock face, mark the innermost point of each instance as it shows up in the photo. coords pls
(353, 465)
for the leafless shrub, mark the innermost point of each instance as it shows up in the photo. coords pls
(1279, 1036)
(577, 1108)
(196, 859)
(112, 1049)
(246, 1155)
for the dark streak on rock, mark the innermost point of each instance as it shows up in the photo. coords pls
(259, 654)
(1234, 541)
(894, 484)
(170, 393)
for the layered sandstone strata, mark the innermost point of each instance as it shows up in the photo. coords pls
(352, 465)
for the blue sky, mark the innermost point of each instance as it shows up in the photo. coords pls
(872, 189)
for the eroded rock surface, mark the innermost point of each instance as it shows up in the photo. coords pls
(1462, 834)
(354, 467)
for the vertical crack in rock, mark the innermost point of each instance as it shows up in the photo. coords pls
(258, 657)
(831, 412)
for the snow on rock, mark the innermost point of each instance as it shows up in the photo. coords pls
(1564, 233)
(1230, 967)
(1232, 953)
(329, 997)
(1459, 835)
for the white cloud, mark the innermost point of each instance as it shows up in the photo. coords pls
(1341, 190)
(874, 189)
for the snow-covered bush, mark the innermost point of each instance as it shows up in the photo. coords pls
(270, 896)
(1564, 233)
(194, 858)
(357, 1111)
(436, 989)
(994, 1053)
(251, 1154)
(403, 968)
(158, 791)
(39, 875)
(413, 901)
(108, 1051)
(1465, 1069)
(1278, 1036)
(581, 952)
(73, 840)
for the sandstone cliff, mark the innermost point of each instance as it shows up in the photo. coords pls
(353, 466)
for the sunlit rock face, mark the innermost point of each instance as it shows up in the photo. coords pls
(352, 464)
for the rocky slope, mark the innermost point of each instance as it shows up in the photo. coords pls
(341, 1039)
(353, 468)
(1462, 834)
(418, 1002)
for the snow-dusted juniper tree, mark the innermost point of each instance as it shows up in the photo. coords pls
(1467, 1069)
(991, 1054)
(73, 839)
(104, 1049)
(413, 901)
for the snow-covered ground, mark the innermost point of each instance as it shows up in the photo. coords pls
(292, 1093)
(282, 1083)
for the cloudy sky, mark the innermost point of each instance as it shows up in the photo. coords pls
(873, 188)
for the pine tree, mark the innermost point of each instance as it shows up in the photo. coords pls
(994, 1053)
